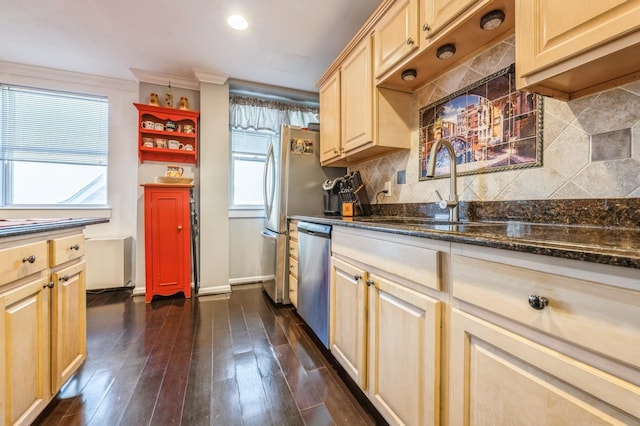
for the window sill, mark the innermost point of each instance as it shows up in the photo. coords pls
(74, 212)
(240, 213)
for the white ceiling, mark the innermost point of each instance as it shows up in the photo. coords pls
(289, 43)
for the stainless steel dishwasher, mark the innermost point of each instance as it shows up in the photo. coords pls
(314, 251)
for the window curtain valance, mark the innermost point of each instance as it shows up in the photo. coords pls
(262, 114)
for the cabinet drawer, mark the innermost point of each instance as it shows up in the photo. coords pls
(293, 290)
(23, 260)
(293, 249)
(293, 231)
(596, 316)
(414, 259)
(293, 267)
(65, 249)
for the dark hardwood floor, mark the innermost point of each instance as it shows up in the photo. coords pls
(201, 361)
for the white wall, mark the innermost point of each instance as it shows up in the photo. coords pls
(251, 258)
(231, 250)
(147, 171)
(214, 188)
(123, 157)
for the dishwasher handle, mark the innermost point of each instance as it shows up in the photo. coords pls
(315, 229)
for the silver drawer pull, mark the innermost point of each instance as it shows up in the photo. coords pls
(538, 302)
(75, 247)
(30, 259)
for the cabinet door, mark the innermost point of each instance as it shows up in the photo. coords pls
(24, 352)
(348, 321)
(357, 97)
(551, 31)
(330, 119)
(396, 35)
(404, 353)
(167, 245)
(498, 377)
(438, 13)
(69, 325)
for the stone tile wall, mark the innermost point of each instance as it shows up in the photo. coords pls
(591, 147)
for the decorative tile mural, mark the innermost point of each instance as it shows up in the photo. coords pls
(492, 127)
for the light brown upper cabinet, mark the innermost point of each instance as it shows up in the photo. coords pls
(356, 92)
(567, 50)
(440, 22)
(436, 14)
(396, 35)
(372, 121)
(330, 118)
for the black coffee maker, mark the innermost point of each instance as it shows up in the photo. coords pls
(331, 196)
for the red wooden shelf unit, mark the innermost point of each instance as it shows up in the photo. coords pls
(160, 115)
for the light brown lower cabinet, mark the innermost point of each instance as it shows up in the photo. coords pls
(293, 262)
(543, 341)
(384, 329)
(43, 321)
(68, 323)
(25, 357)
(438, 333)
(503, 378)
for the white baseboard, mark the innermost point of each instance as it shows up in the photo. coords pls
(249, 280)
(203, 291)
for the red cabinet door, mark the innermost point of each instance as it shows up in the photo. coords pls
(167, 240)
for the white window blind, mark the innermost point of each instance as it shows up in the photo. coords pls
(249, 142)
(53, 148)
(53, 127)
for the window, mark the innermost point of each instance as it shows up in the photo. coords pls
(248, 154)
(53, 148)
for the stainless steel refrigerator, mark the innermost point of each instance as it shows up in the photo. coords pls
(293, 181)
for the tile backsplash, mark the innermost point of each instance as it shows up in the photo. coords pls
(591, 146)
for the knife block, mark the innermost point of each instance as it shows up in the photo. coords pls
(349, 209)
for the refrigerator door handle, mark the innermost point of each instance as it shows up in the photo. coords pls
(268, 234)
(268, 197)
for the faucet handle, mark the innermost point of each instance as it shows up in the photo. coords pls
(443, 204)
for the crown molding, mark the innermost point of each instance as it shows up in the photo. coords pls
(164, 79)
(24, 74)
(204, 76)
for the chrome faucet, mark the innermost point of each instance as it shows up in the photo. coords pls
(452, 202)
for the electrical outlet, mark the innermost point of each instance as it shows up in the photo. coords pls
(387, 187)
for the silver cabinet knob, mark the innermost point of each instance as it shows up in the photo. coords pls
(64, 278)
(370, 283)
(410, 41)
(357, 278)
(50, 285)
(426, 27)
(30, 259)
(538, 302)
(75, 247)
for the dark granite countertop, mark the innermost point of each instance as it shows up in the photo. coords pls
(18, 227)
(618, 246)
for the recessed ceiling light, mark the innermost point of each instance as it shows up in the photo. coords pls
(237, 22)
